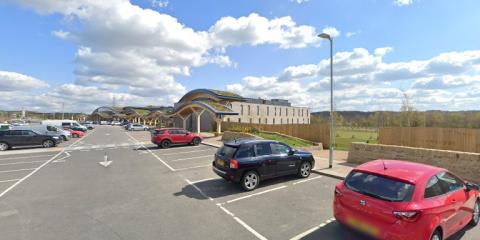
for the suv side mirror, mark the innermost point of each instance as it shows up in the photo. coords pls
(472, 186)
(291, 152)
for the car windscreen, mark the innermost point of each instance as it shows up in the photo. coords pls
(226, 151)
(379, 187)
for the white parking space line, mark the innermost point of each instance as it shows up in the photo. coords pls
(41, 166)
(18, 170)
(183, 159)
(150, 151)
(307, 180)
(188, 168)
(37, 156)
(256, 194)
(177, 153)
(246, 226)
(303, 234)
(15, 163)
(177, 148)
(198, 189)
(258, 235)
(204, 180)
(11, 180)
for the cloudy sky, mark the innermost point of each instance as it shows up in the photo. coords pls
(85, 52)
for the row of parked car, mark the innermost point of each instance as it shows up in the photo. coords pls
(48, 133)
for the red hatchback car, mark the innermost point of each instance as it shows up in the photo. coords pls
(166, 137)
(398, 200)
(76, 134)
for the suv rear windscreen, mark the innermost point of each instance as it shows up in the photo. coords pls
(226, 151)
(158, 132)
(379, 187)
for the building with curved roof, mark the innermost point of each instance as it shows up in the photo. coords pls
(206, 109)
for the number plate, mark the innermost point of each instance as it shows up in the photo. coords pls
(363, 226)
(221, 162)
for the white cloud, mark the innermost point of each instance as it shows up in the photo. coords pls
(300, 1)
(142, 52)
(402, 3)
(333, 32)
(159, 3)
(255, 29)
(12, 81)
(61, 34)
(446, 82)
(351, 34)
(364, 81)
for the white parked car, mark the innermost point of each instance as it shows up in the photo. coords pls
(137, 127)
(116, 123)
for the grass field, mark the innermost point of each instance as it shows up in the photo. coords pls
(345, 136)
(294, 142)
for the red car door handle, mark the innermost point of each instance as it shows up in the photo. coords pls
(454, 200)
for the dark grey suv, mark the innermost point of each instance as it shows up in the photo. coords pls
(18, 138)
(250, 161)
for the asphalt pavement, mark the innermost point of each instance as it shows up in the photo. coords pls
(151, 193)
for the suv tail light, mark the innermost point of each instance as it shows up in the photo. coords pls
(407, 215)
(233, 164)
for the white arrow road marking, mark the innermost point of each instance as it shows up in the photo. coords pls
(105, 162)
(63, 158)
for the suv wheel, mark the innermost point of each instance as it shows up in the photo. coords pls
(3, 146)
(196, 141)
(250, 180)
(304, 170)
(476, 214)
(47, 143)
(165, 144)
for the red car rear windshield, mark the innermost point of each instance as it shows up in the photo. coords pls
(379, 187)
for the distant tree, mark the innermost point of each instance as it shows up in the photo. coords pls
(407, 110)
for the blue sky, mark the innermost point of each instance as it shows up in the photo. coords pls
(83, 52)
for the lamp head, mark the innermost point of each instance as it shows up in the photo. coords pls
(324, 35)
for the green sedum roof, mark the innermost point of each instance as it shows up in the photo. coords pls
(225, 93)
(216, 106)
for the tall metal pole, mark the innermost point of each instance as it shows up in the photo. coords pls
(63, 110)
(332, 117)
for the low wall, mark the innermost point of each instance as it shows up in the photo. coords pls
(229, 135)
(464, 164)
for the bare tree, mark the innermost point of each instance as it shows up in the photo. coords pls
(407, 110)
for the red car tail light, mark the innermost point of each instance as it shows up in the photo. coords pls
(233, 164)
(407, 215)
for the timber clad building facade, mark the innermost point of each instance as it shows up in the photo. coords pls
(273, 111)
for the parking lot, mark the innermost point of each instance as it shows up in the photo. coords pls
(151, 193)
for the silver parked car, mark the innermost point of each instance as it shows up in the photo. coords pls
(137, 127)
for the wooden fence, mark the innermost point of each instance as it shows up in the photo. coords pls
(311, 132)
(457, 139)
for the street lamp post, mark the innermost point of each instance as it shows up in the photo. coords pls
(332, 118)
